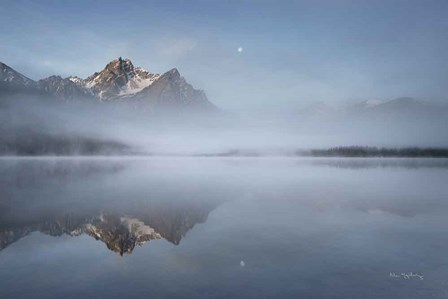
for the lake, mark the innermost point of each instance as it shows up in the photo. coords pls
(173, 227)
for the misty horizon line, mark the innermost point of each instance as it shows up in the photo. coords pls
(350, 151)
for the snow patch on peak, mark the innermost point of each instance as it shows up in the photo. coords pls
(76, 80)
(137, 81)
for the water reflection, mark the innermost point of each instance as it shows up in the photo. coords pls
(361, 163)
(111, 200)
(120, 232)
(304, 228)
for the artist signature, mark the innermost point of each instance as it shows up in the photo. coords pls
(408, 275)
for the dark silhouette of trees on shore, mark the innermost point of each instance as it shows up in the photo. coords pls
(366, 151)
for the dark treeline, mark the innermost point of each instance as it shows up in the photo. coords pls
(365, 151)
(45, 145)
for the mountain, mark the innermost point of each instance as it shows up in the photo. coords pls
(119, 80)
(64, 88)
(394, 107)
(172, 90)
(10, 76)
(14, 83)
(403, 103)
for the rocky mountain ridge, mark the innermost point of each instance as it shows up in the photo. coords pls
(393, 107)
(10, 76)
(119, 80)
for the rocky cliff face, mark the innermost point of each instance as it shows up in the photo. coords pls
(64, 88)
(172, 90)
(13, 83)
(119, 78)
(8, 75)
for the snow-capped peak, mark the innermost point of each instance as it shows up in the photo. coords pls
(119, 78)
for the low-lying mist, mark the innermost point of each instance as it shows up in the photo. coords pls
(41, 126)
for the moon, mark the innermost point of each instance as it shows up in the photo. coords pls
(240, 49)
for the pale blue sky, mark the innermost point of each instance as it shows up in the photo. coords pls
(293, 51)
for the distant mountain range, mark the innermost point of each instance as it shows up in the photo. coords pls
(394, 107)
(119, 80)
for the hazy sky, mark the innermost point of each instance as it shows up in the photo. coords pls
(292, 51)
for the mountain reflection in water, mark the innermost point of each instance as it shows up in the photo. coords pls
(122, 223)
(120, 233)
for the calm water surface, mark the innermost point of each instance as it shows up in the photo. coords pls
(223, 228)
